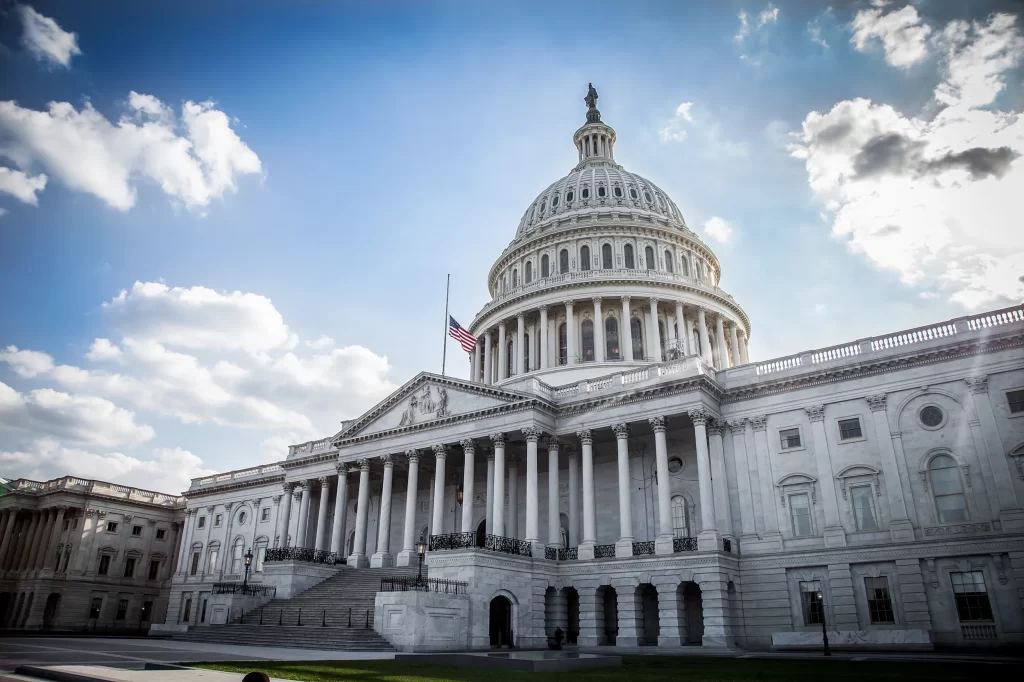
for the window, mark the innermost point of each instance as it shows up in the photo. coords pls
(563, 261)
(611, 339)
(217, 520)
(161, 533)
(569, 196)
(528, 272)
(67, 524)
(515, 278)
(800, 514)
(863, 507)
(849, 428)
(585, 193)
(242, 516)
(201, 523)
(74, 524)
(154, 570)
(649, 257)
(67, 558)
(193, 569)
(684, 267)
(544, 270)
(136, 531)
(879, 604)
(661, 337)
(636, 333)
(947, 490)
(147, 611)
(632, 193)
(526, 352)
(584, 258)
(668, 262)
(1015, 399)
(601, 191)
(563, 345)
(104, 565)
(543, 205)
(647, 196)
(129, 567)
(627, 255)
(261, 555)
(810, 600)
(587, 337)
(111, 526)
(554, 201)
(606, 257)
(790, 438)
(212, 560)
(94, 607)
(931, 416)
(680, 517)
(56, 564)
(236, 556)
(186, 613)
(971, 596)
(617, 191)
(265, 514)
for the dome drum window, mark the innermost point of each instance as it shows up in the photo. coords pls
(585, 193)
(554, 201)
(569, 196)
(647, 197)
(617, 191)
(632, 193)
(584, 257)
(601, 192)
(931, 416)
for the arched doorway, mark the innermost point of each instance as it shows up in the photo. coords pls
(607, 601)
(501, 622)
(649, 628)
(692, 612)
(50, 610)
(572, 599)
(481, 533)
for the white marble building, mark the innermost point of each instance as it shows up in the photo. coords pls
(617, 467)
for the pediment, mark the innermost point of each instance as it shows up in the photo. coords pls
(429, 398)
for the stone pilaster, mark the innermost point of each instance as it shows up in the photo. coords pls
(912, 594)
(843, 606)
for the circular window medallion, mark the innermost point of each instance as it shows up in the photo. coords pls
(675, 465)
(241, 519)
(931, 416)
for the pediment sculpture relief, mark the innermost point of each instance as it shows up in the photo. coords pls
(425, 404)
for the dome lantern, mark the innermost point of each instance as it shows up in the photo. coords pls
(595, 140)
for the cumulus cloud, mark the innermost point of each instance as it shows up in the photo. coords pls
(719, 229)
(26, 363)
(675, 130)
(932, 198)
(194, 158)
(904, 36)
(22, 186)
(45, 39)
(102, 350)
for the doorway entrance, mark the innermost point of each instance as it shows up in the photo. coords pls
(481, 533)
(608, 606)
(501, 622)
(693, 613)
(50, 610)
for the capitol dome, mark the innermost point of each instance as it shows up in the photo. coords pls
(603, 273)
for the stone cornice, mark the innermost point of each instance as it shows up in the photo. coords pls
(702, 383)
(37, 498)
(239, 485)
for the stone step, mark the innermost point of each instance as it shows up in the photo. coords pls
(353, 639)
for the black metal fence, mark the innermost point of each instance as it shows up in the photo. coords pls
(604, 551)
(452, 541)
(312, 556)
(551, 553)
(251, 590)
(406, 584)
(727, 544)
(494, 543)
(297, 617)
(684, 544)
(642, 548)
(568, 553)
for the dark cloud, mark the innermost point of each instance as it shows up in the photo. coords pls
(978, 161)
(834, 133)
(896, 154)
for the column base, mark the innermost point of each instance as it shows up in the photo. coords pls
(663, 545)
(536, 548)
(901, 531)
(585, 552)
(358, 560)
(708, 541)
(381, 560)
(835, 536)
(626, 641)
(714, 642)
(624, 548)
(1012, 520)
(406, 557)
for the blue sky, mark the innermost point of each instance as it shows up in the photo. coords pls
(280, 189)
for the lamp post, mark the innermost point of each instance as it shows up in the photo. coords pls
(248, 563)
(421, 549)
(824, 631)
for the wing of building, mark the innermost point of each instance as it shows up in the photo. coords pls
(616, 467)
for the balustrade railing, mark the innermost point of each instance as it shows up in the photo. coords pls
(684, 544)
(978, 632)
(604, 551)
(306, 554)
(494, 543)
(452, 541)
(407, 584)
(568, 553)
(642, 548)
(551, 553)
(249, 590)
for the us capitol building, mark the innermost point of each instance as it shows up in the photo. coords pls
(615, 467)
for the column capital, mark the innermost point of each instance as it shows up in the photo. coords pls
(699, 417)
(715, 427)
(596, 300)
(297, 493)
(553, 443)
(300, 486)
(412, 455)
(439, 451)
(621, 430)
(277, 499)
(364, 465)
(585, 436)
(568, 303)
(658, 424)
(498, 438)
(210, 508)
(759, 423)
(532, 434)
(387, 461)
(324, 481)
(625, 300)
(738, 426)
(876, 402)
(520, 317)
(815, 413)
(468, 444)
(543, 309)
(342, 469)
(977, 384)
(256, 502)
(654, 301)
(489, 455)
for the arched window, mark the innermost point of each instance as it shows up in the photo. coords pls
(627, 255)
(584, 258)
(636, 332)
(617, 191)
(647, 196)
(649, 257)
(601, 191)
(611, 339)
(554, 201)
(563, 345)
(526, 352)
(529, 272)
(543, 205)
(606, 257)
(510, 359)
(569, 195)
(661, 337)
(585, 193)
(632, 193)
(515, 278)
(684, 267)
(544, 270)
(947, 489)
(587, 337)
(668, 262)
(696, 343)
(236, 556)
(563, 262)
(681, 517)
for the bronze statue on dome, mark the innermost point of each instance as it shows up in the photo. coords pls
(591, 98)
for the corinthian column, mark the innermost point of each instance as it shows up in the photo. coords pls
(502, 353)
(663, 545)
(358, 557)
(624, 547)
(405, 557)
(570, 334)
(468, 478)
(736, 357)
(554, 534)
(382, 557)
(321, 514)
(574, 496)
(835, 536)
(286, 512)
(340, 509)
(586, 548)
(498, 503)
(438, 519)
(655, 334)
(520, 342)
(625, 332)
(303, 515)
(707, 540)
(489, 506)
(705, 341)
(723, 350)
(599, 345)
(532, 434)
(544, 364)
(488, 363)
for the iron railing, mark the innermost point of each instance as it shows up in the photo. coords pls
(642, 548)
(727, 544)
(306, 554)
(251, 590)
(494, 543)
(568, 553)
(406, 584)
(551, 553)
(604, 551)
(684, 544)
(452, 541)
(497, 543)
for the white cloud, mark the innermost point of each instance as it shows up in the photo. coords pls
(322, 343)
(22, 186)
(719, 230)
(902, 33)
(102, 350)
(814, 30)
(932, 198)
(674, 130)
(820, 309)
(744, 29)
(769, 14)
(194, 159)
(26, 363)
(45, 39)
(169, 470)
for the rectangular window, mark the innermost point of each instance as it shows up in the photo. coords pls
(879, 604)
(136, 531)
(74, 524)
(129, 567)
(849, 428)
(147, 611)
(213, 561)
(194, 568)
(154, 569)
(186, 613)
(863, 507)
(201, 523)
(161, 533)
(265, 514)
(67, 524)
(261, 554)
(790, 438)
(111, 526)
(67, 558)
(95, 606)
(971, 596)
(1016, 401)
(122, 609)
(104, 564)
(810, 601)
(217, 520)
(800, 513)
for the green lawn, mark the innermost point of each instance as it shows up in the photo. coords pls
(703, 668)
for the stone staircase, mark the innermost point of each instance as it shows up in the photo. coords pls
(335, 614)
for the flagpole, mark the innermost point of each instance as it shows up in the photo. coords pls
(444, 353)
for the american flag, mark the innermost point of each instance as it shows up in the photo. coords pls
(457, 332)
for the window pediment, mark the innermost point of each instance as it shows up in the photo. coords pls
(797, 482)
(852, 473)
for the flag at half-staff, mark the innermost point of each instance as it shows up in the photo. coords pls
(459, 333)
